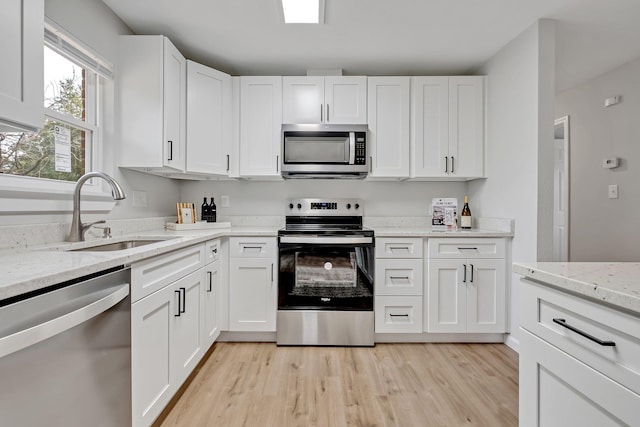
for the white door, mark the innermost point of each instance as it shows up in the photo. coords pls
(175, 81)
(561, 191)
(186, 342)
(260, 124)
(21, 73)
(447, 296)
(486, 295)
(208, 120)
(345, 100)
(388, 99)
(303, 99)
(211, 296)
(466, 126)
(151, 386)
(253, 295)
(429, 126)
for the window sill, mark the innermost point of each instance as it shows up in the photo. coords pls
(24, 195)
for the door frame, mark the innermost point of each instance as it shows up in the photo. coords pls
(564, 122)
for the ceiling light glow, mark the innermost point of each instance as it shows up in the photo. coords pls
(301, 11)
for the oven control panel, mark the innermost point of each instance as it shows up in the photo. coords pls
(324, 207)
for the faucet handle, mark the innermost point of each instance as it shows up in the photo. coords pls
(106, 233)
(85, 227)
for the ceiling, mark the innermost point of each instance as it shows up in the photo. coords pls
(383, 37)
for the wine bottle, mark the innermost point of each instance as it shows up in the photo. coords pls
(205, 211)
(465, 215)
(212, 211)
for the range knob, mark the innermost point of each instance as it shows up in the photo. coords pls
(299, 206)
(290, 205)
(357, 206)
(348, 205)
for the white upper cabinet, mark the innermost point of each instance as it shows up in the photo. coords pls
(447, 130)
(388, 113)
(22, 70)
(209, 120)
(260, 122)
(327, 100)
(151, 104)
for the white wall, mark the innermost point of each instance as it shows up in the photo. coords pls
(603, 229)
(268, 198)
(518, 78)
(93, 23)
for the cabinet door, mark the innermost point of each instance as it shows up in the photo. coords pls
(175, 81)
(466, 126)
(211, 296)
(398, 277)
(345, 100)
(447, 296)
(253, 295)
(388, 112)
(187, 339)
(558, 390)
(151, 385)
(429, 126)
(21, 73)
(208, 120)
(303, 99)
(260, 123)
(486, 306)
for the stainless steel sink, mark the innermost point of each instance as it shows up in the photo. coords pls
(118, 246)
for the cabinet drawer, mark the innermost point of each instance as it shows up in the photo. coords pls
(466, 248)
(211, 251)
(394, 247)
(398, 277)
(252, 247)
(155, 273)
(540, 305)
(398, 314)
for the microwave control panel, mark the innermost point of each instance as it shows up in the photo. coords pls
(361, 149)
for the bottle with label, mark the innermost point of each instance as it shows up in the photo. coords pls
(465, 215)
(212, 211)
(205, 211)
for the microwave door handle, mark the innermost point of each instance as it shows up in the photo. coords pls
(352, 148)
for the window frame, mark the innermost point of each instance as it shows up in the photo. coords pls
(24, 194)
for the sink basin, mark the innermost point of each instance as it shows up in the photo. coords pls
(117, 246)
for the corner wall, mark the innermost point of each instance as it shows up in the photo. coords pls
(603, 229)
(520, 85)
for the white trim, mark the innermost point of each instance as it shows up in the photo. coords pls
(513, 343)
(564, 121)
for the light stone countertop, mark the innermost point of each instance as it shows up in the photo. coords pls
(428, 232)
(614, 283)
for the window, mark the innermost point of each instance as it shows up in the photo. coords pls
(48, 163)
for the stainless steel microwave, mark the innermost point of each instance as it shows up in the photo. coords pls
(324, 151)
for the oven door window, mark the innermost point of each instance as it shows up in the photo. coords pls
(325, 277)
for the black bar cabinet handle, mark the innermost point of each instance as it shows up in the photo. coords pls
(399, 277)
(564, 324)
(398, 315)
(210, 273)
(471, 281)
(320, 112)
(446, 164)
(452, 164)
(177, 292)
(227, 163)
(464, 280)
(184, 299)
(460, 248)
(170, 150)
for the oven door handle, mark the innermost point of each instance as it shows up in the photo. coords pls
(330, 240)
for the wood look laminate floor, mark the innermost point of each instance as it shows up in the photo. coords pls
(259, 384)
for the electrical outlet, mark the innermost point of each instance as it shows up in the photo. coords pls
(613, 191)
(139, 199)
(224, 201)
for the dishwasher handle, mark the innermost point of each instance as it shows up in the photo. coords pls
(96, 303)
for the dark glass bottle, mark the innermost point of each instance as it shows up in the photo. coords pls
(205, 211)
(212, 210)
(465, 216)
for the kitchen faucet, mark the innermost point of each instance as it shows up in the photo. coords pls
(76, 234)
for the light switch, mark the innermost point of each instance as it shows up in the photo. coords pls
(613, 191)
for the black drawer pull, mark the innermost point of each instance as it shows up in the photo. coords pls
(399, 315)
(564, 324)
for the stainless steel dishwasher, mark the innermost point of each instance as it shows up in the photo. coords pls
(65, 354)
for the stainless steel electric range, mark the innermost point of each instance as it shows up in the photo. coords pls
(326, 275)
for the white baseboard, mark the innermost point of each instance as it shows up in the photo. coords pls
(513, 343)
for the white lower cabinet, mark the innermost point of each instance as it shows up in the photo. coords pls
(166, 344)
(466, 291)
(398, 314)
(253, 285)
(211, 292)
